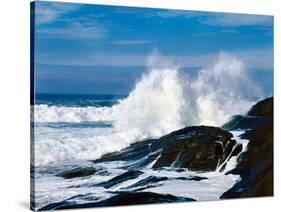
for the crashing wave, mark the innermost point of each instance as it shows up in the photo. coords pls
(162, 101)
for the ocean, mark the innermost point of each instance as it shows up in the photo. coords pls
(72, 132)
(68, 137)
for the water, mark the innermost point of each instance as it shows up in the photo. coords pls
(50, 188)
(61, 146)
(71, 131)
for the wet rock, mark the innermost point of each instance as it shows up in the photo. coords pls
(143, 152)
(132, 174)
(255, 166)
(196, 148)
(194, 178)
(77, 172)
(242, 122)
(121, 198)
(128, 198)
(147, 182)
(197, 178)
(262, 108)
(237, 150)
(227, 150)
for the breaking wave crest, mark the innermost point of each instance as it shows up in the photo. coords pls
(163, 100)
(45, 113)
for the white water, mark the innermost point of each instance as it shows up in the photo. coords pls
(204, 190)
(162, 101)
(50, 189)
(45, 113)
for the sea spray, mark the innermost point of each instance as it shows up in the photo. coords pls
(154, 107)
(163, 100)
(223, 90)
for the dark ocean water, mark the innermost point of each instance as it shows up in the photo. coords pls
(78, 100)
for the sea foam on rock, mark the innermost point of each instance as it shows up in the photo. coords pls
(255, 166)
(199, 148)
(203, 148)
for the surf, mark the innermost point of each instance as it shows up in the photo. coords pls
(163, 100)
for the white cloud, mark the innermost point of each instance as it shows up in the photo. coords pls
(208, 18)
(176, 13)
(162, 13)
(260, 59)
(47, 12)
(130, 42)
(74, 30)
(81, 27)
(234, 20)
(220, 19)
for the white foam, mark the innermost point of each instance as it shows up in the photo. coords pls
(204, 190)
(232, 162)
(53, 189)
(67, 146)
(162, 101)
(45, 113)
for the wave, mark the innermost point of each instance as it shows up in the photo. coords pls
(162, 101)
(68, 146)
(45, 113)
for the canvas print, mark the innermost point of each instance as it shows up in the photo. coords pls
(137, 106)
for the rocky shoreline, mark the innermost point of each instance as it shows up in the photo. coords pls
(188, 153)
(204, 148)
(256, 165)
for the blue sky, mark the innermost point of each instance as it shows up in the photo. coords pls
(84, 48)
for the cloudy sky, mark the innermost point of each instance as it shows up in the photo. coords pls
(83, 48)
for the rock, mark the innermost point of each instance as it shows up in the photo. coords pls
(240, 122)
(262, 108)
(121, 178)
(77, 172)
(146, 183)
(128, 198)
(237, 150)
(196, 148)
(197, 178)
(227, 150)
(255, 166)
(121, 198)
(143, 152)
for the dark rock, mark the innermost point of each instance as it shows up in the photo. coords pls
(227, 150)
(132, 174)
(196, 148)
(255, 166)
(180, 170)
(145, 183)
(240, 122)
(237, 150)
(197, 178)
(77, 172)
(262, 108)
(128, 198)
(194, 178)
(143, 152)
(181, 178)
(122, 198)
(223, 167)
(135, 151)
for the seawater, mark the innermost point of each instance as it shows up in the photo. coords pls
(72, 130)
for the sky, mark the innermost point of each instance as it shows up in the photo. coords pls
(96, 49)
